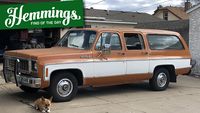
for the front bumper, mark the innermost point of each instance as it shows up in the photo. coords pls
(17, 71)
(25, 80)
(29, 81)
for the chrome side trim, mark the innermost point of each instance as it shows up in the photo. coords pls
(117, 61)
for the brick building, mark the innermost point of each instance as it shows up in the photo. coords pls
(194, 36)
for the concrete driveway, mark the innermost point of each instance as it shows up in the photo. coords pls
(182, 97)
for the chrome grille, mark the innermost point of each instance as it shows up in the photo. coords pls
(10, 64)
(23, 65)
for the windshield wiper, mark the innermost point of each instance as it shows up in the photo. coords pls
(74, 45)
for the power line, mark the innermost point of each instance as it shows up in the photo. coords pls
(153, 5)
(136, 9)
(143, 7)
(96, 3)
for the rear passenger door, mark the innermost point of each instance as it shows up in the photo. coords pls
(136, 55)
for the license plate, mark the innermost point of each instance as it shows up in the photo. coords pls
(12, 78)
(24, 80)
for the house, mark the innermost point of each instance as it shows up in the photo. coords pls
(170, 13)
(194, 34)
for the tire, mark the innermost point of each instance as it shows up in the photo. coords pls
(29, 89)
(160, 80)
(63, 87)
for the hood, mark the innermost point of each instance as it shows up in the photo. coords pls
(45, 53)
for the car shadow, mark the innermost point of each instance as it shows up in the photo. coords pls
(84, 92)
(111, 90)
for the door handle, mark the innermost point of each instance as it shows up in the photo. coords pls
(145, 53)
(121, 54)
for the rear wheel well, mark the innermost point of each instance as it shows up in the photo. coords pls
(76, 72)
(171, 69)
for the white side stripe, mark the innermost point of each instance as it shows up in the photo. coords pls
(113, 68)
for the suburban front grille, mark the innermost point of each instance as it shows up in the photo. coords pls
(10, 64)
(23, 66)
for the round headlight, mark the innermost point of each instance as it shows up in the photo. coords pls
(34, 66)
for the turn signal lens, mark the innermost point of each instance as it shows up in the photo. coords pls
(47, 72)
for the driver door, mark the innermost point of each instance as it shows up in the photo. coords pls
(110, 66)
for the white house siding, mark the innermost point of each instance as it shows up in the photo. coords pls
(194, 38)
(171, 16)
(159, 14)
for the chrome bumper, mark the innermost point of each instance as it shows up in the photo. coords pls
(29, 81)
(14, 72)
(20, 80)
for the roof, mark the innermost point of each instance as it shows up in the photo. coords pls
(173, 25)
(123, 16)
(177, 11)
(148, 31)
(194, 8)
(111, 22)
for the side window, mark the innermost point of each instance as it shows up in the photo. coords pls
(103, 39)
(115, 42)
(134, 41)
(109, 38)
(164, 42)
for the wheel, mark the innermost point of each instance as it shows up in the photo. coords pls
(29, 89)
(63, 86)
(160, 80)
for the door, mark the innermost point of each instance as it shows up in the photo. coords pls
(109, 66)
(137, 61)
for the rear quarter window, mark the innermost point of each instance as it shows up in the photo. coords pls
(164, 42)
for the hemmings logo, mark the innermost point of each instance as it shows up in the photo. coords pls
(15, 19)
(43, 15)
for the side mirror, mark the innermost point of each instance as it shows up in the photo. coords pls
(106, 49)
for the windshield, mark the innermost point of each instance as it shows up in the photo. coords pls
(80, 39)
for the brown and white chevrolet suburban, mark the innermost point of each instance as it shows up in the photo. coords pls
(100, 57)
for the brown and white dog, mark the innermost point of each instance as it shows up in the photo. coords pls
(42, 104)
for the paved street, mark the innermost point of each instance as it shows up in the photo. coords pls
(182, 97)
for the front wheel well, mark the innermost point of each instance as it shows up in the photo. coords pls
(76, 72)
(171, 69)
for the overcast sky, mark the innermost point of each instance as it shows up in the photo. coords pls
(147, 6)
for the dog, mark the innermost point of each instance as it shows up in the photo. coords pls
(42, 104)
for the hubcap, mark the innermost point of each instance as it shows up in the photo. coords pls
(162, 79)
(64, 87)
